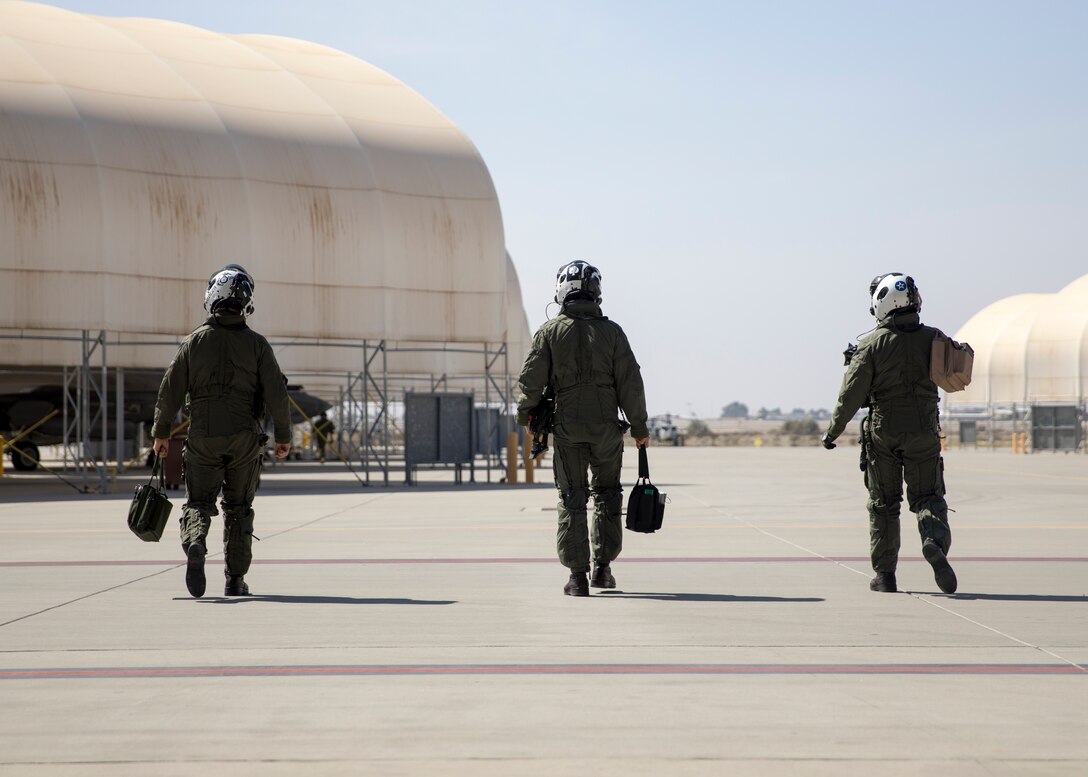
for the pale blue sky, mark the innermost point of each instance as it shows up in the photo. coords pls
(740, 170)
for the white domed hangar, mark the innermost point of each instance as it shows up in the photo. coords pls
(1031, 366)
(139, 156)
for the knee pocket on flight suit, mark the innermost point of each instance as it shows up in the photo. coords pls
(885, 492)
(576, 500)
(608, 500)
(570, 477)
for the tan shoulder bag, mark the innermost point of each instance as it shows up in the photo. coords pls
(950, 363)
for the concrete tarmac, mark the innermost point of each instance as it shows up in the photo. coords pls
(422, 631)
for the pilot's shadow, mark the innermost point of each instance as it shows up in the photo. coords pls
(287, 599)
(683, 597)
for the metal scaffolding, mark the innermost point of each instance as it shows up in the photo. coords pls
(81, 386)
(365, 401)
(381, 417)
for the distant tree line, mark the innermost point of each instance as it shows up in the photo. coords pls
(801, 426)
(740, 410)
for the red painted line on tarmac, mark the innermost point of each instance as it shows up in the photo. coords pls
(541, 669)
(625, 560)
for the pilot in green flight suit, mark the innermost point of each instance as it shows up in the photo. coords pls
(588, 363)
(229, 377)
(889, 372)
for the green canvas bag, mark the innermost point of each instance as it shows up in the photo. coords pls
(150, 508)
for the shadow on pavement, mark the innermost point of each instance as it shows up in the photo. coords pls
(285, 599)
(704, 597)
(1008, 597)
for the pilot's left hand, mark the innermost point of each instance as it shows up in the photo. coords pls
(161, 446)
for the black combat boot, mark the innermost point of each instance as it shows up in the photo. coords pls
(883, 582)
(942, 570)
(602, 577)
(578, 585)
(194, 568)
(236, 586)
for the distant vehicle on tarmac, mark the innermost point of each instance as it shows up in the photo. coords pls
(663, 430)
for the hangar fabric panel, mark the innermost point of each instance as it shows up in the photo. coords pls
(1031, 348)
(138, 156)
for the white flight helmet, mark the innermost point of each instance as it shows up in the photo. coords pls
(577, 277)
(893, 293)
(231, 284)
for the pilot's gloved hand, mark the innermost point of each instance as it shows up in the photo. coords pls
(827, 441)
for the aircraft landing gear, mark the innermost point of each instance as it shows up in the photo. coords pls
(27, 463)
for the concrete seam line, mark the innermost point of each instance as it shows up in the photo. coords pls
(365, 502)
(175, 566)
(919, 597)
(773, 536)
(88, 596)
(1040, 648)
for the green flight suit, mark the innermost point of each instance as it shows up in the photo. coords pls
(229, 376)
(890, 373)
(589, 364)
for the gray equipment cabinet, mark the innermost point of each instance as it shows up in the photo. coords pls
(491, 426)
(438, 430)
(1055, 428)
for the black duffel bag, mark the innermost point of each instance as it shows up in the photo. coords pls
(645, 505)
(150, 508)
